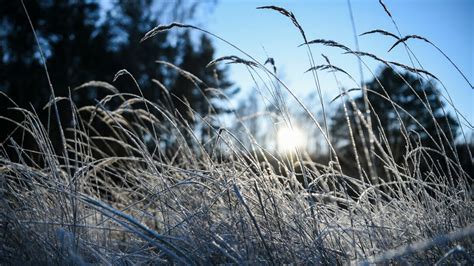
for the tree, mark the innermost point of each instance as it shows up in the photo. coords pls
(81, 44)
(65, 29)
(406, 113)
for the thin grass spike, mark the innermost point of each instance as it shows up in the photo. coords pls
(288, 14)
(383, 32)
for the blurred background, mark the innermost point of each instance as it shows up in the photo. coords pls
(88, 40)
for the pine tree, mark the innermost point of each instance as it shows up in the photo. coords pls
(406, 113)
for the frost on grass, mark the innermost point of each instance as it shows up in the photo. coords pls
(113, 195)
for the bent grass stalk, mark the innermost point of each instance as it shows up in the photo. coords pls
(123, 199)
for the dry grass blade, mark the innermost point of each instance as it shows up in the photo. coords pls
(414, 70)
(120, 73)
(345, 93)
(411, 69)
(385, 8)
(408, 37)
(328, 43)
(360, 53)
(162, 28)
(335, 68)
(326, 67)
(288, 14)
(232, 59)
(98, 84)
(271, 61)
(54, 101)
(383, 32)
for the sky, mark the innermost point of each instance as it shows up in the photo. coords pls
(449, 24)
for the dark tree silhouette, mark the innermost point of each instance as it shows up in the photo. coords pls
(82, 44)
(71, 41)
(406, 113)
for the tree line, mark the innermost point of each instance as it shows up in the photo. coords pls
(82, 41)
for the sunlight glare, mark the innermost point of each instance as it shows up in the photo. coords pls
(289, 139)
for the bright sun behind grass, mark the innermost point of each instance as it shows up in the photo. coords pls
(289, 139)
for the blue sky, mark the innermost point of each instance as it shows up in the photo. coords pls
(447, 23)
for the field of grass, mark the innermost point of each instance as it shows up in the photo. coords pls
(119, 198)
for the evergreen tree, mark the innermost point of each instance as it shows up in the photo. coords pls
(81, 44)
(72, 43)
(406, 113)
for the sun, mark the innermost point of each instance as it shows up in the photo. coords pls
(289, 139)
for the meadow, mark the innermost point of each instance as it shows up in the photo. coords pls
(113, 195)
